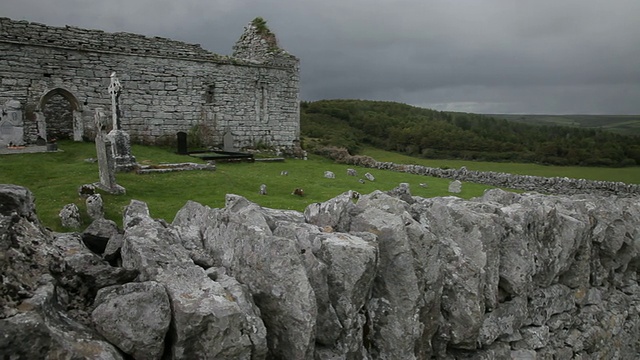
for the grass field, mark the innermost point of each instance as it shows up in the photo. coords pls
(55, 177)
(630, 175)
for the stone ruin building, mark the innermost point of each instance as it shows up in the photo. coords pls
(52, 79)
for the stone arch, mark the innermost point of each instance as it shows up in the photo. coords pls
(76, 126)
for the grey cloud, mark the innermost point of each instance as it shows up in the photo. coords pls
(547, 56)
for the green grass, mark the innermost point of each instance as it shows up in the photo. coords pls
(54, 179)
(630, 175)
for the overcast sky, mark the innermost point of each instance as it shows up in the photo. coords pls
(484, 56)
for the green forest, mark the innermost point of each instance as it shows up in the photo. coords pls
(354, 124)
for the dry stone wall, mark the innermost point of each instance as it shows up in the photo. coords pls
(548, 185)
(168, 86)
(389, 276)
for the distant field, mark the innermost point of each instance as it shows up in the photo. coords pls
(621, 124)
(630, 175)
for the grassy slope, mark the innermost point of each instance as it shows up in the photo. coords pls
(630, 175)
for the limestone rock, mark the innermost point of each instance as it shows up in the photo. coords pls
(50, 333)
(206, 321)
(404, 304)
(26, 250)
(274, 272)
(82, 273)
(70, 216)
(455, 187)
(113, 248)
(402, 191)
(95, 206)
(351, 268)
(135, 317)
(387, 276)
(333, 212)
(97, 235)
(87, 190)
(17, 200)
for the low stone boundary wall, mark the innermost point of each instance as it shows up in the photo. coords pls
(547, 185)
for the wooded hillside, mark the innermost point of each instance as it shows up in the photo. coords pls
(435, 134)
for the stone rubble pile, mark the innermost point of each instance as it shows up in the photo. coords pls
(385, 276)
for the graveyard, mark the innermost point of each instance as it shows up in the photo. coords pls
(54, 178)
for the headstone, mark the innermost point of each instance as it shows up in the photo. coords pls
(455, 187)
(182, 143)
(227, 141)
(352, 172)
(85, 190)
(329, 175)
(121, 149)
(106, 164)
(70, 216)
(11, 124)
(95, 206)
(120, 143)
(263, 189)
(369, 177)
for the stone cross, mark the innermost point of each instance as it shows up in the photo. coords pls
(114, 90)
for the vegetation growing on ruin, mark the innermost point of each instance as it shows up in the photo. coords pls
(262, 29)
(355, 124)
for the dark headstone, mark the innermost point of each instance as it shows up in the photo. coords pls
(182, 143)
(40, 141)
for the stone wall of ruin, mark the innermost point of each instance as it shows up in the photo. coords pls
(168, 86)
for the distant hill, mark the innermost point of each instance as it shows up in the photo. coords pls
(435, 134)
(622, 124)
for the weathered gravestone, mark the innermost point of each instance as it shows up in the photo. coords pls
(120, 142)
(182, 143)
(455, 187)
(11, 125)
(95, 206)
(227, 141)
(106, 163)
(70, 216)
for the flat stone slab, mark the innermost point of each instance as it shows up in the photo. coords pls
(164, 168)
(25, 150)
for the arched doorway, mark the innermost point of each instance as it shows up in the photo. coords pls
(60, 113)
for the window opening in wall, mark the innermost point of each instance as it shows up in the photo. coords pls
(210, 93)
(47, 75)
(263, 103)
